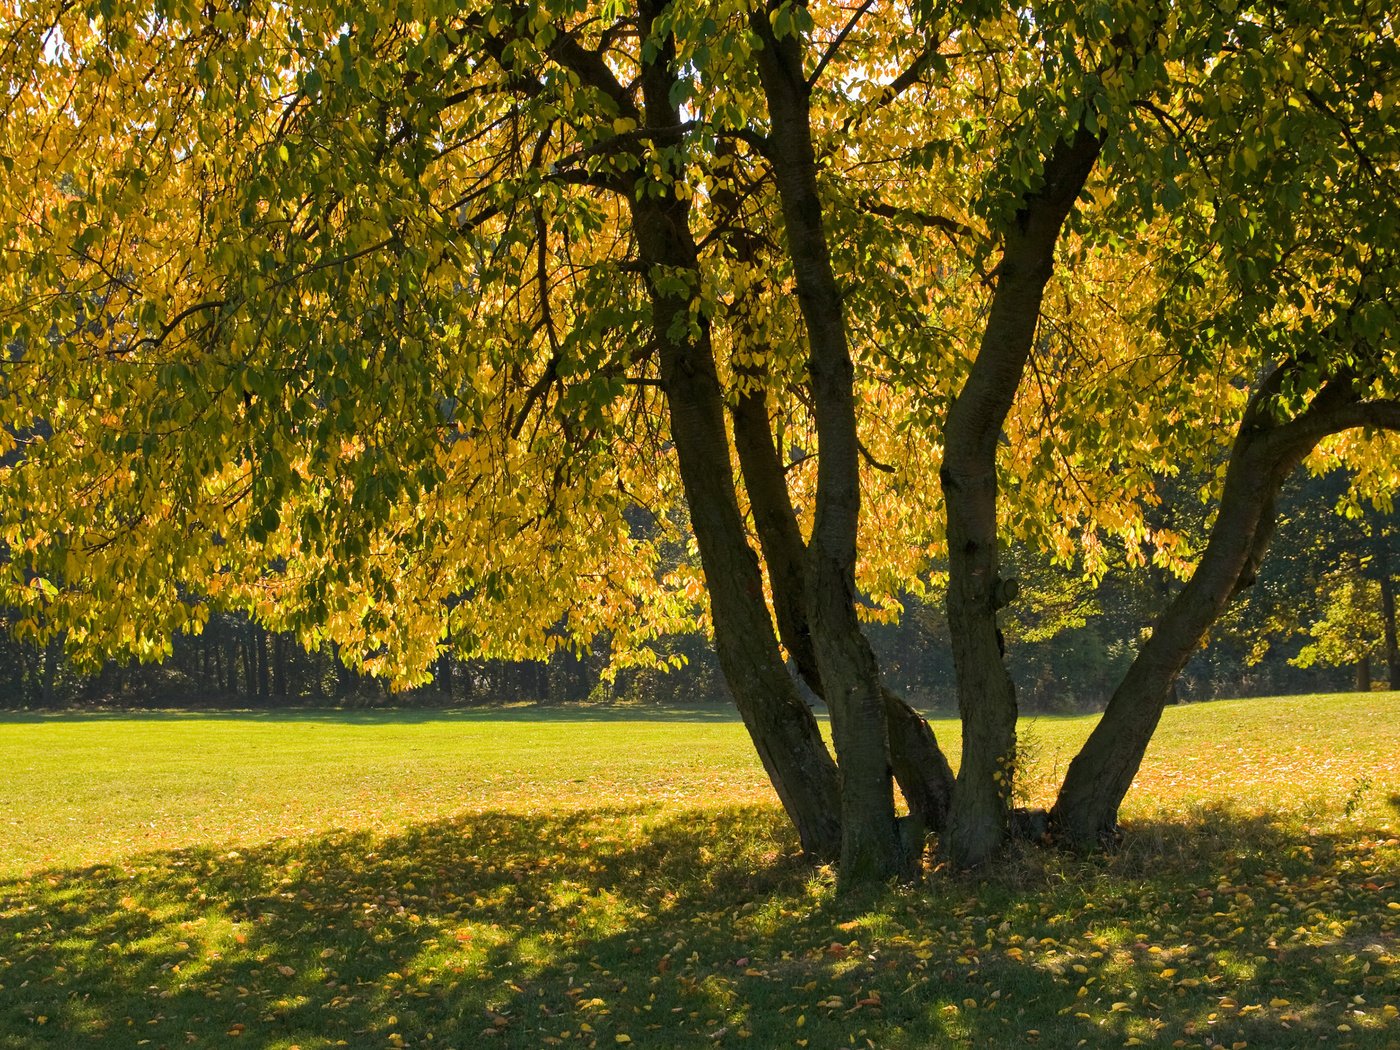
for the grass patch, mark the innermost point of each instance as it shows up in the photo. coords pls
(464, 881)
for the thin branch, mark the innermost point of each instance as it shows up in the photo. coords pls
(899, 85)
(951, 227)
(835, 45)
(1321, 103)
(865, 454)
(174, 322)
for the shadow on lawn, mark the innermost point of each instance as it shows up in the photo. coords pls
(694, 930)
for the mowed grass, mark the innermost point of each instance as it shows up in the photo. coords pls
(529, 879)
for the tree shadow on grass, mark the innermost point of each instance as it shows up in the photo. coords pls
(700, 929)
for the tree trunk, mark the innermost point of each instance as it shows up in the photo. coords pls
(781, 726)
(1392, 649)
(53, 650)
(279, 665)
(444, 667)
(1265, 451)
(249, 666)
(979, 821)
(871, 846)
(259, 641)
(444, 675)
(920, 767)
(1363, 673)
(342, 673)
(220, 657)
(1085, 814)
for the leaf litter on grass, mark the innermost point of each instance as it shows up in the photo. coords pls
(680, 925)
(689, 929)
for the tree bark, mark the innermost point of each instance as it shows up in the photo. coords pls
(53, 650)
(871, 846)
(920, 767)
(259, 641)
(1265, 451)
(342, 673)
(279, 665)
(1392, 649)
(249, 668)
(782, 727)
(1086, 812)
(979, 822)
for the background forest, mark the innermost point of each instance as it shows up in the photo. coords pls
(1320, 618)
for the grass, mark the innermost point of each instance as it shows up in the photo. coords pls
(526, 879)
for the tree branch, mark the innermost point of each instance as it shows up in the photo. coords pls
(835, 45)
(951, 227)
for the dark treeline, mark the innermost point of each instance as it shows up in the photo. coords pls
(1329, 585)
(238, 663)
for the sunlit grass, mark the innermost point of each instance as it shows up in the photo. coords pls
(526, 881)
(78, 790)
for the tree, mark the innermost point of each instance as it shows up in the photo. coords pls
(416, 309)
(1348, 634)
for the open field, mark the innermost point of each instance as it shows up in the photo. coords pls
(528, 879)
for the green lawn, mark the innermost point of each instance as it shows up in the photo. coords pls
(528, 879)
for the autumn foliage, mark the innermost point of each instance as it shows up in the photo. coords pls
(575, 318)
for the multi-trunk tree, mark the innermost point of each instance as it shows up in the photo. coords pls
(348, 319)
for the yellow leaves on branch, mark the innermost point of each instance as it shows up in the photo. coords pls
(316, 306)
